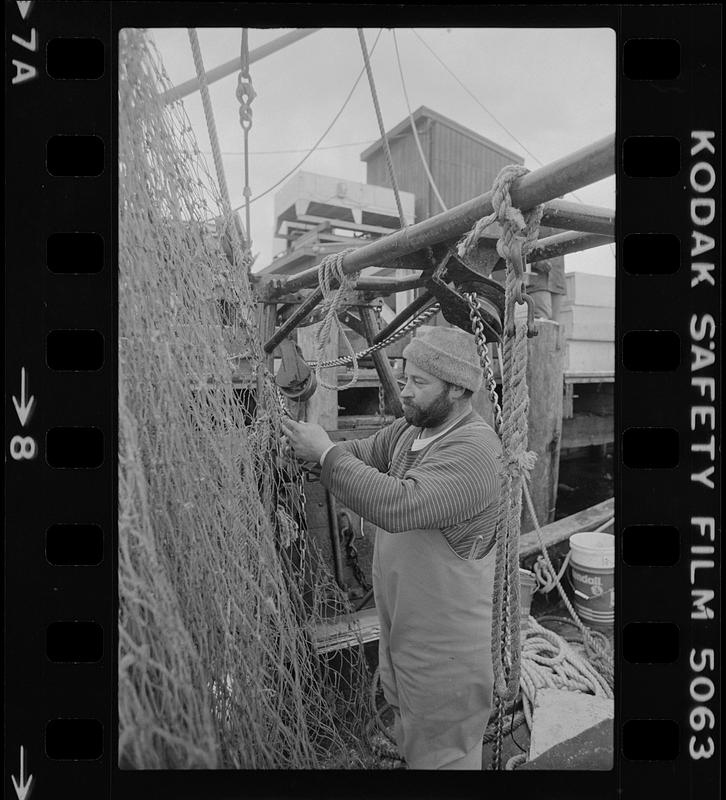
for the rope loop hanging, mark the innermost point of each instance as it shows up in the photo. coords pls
(330, 271)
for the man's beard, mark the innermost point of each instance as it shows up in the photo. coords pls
(430, 417)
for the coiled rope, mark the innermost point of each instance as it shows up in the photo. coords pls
(329, 271)
(596, 644)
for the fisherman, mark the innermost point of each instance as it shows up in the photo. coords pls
(430, 484)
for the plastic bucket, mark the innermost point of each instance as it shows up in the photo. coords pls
(592, 572)
(527, 585)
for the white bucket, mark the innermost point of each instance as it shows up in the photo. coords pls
(592, 571)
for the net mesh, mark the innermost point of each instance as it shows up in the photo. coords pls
(221, 590)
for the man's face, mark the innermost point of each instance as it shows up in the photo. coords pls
(425, 399)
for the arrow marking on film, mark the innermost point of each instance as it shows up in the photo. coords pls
(24, 7)
(23, 409)
(22, 788)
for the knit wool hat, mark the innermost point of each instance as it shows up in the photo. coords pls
(449, 354)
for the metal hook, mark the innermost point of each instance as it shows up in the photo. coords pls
(516, 257)
(531, 329)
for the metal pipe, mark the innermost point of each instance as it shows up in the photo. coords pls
(588, 165)
(305, 308)
(183, 89)
(563, 243)
(559, 244)
(386, 377)
(389, 285)
(579, 217)
(269, 293)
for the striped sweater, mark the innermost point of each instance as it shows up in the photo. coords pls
(451, 485)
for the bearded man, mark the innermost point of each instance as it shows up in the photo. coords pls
(430, 484)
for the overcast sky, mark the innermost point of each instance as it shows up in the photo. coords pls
(553, 90)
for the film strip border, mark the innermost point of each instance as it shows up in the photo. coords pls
(61, 410)
(668, 420)
(60, 407)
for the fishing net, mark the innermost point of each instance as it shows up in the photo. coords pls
(220, 588)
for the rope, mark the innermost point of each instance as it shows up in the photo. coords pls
(519, 233)
(512, 669)
(209, 117)
(517, 227)
(424, 164)
(331, 269)
(379, 117)
(547, 579)
(394, 337)
(320, 139)
(240, 243)
(550, 662)
(598, 652)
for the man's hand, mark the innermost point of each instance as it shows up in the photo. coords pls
(308, 441)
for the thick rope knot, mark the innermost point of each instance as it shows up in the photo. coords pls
(519, 229)
(520, 463)
(330, 271)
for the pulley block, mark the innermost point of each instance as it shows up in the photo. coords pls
(295, 379)
(451, 278)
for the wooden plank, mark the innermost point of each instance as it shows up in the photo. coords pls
(322, 407)
(556, 532)
(568, 401)
(348, 631)
(590, 376)
(267, 313)
(587, 429)
(545, 363)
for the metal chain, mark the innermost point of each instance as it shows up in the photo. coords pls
(477, 327)
(394, 337)
(351, 552)
(245, 95)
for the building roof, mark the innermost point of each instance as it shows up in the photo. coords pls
(427, 113)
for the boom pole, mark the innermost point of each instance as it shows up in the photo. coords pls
(215, 74)
(586, 166)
